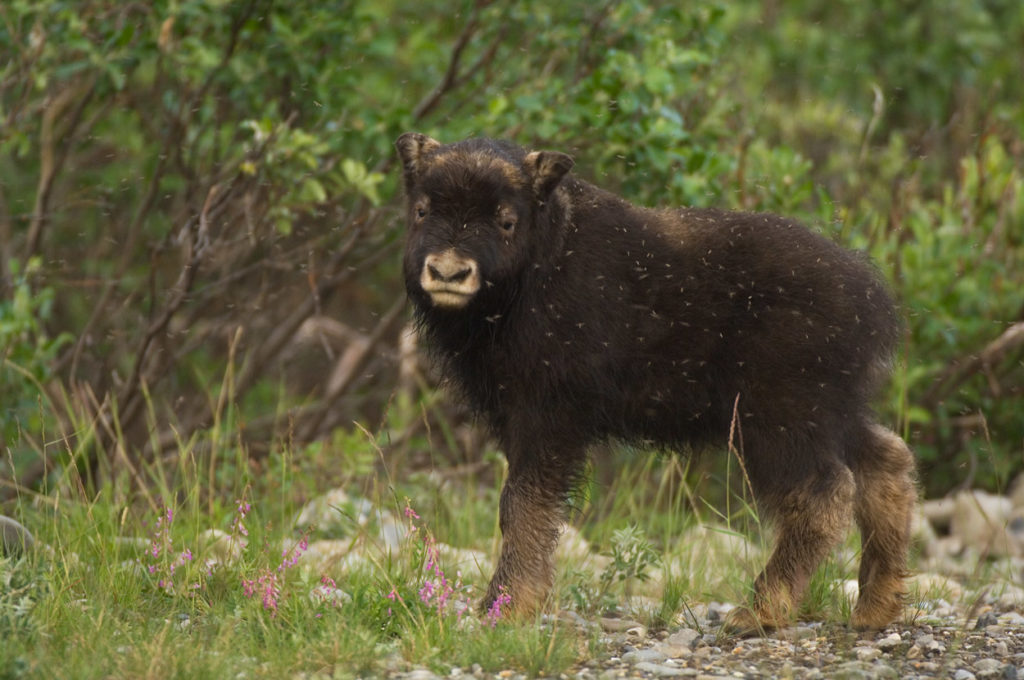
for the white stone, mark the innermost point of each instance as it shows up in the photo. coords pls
(849, 588)
(1017, 491)
(1010, 596)
(980, 520)
(928, 586)
(220, 547)
(889, 642)
(335, 512)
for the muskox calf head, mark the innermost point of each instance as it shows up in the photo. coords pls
(477, 211)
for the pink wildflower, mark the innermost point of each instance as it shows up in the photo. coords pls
(427, 591)
(394, 597)
(494, 612)
(237, 527)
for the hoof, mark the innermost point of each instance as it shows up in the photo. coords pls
(742, 622)
(874, 618)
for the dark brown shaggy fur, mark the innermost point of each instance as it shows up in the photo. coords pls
(567, 316)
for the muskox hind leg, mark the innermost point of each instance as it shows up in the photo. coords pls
(883, 468)
(811, 515)
(532, 511)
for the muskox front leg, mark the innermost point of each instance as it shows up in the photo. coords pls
(531, 514)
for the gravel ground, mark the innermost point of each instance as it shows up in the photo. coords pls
(989, 647)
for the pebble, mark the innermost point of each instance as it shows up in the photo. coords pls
(636, 633)
(963, 674)
(889, 642)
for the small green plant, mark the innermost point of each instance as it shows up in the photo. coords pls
(26, 353)
(632, 558)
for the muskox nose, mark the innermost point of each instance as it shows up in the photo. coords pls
(450, 279)
(449, 267)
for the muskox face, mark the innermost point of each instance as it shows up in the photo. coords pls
(473, 215)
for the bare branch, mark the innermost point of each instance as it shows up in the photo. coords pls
(349, 365)
(452, 78)
(956, 374)
(53, 153)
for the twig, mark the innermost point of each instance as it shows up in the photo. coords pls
(52, 154)
(958, 373)
(349, 365)
(451, 79)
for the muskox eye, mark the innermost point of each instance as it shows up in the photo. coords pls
(421, 213)
(508, 225)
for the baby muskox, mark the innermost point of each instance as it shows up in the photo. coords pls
(565, 316)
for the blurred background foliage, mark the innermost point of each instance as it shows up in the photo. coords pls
(200, 231)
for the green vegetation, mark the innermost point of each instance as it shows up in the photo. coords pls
(200, 298)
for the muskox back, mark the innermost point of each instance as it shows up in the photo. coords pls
(565, 315)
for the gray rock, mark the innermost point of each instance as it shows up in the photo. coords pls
(963, 674)
(1011, 619)
(889, 642)
(985, 620)
(664, 671)
(1011, 596)
(617, 625)
(644, 655)
(636, 634)
(14, 538)
(684, 637)
(987, 666)
(867, 653)
(929, 645)
(794, 633)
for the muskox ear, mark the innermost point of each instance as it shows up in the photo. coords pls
(546, 169)
(412, 146)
